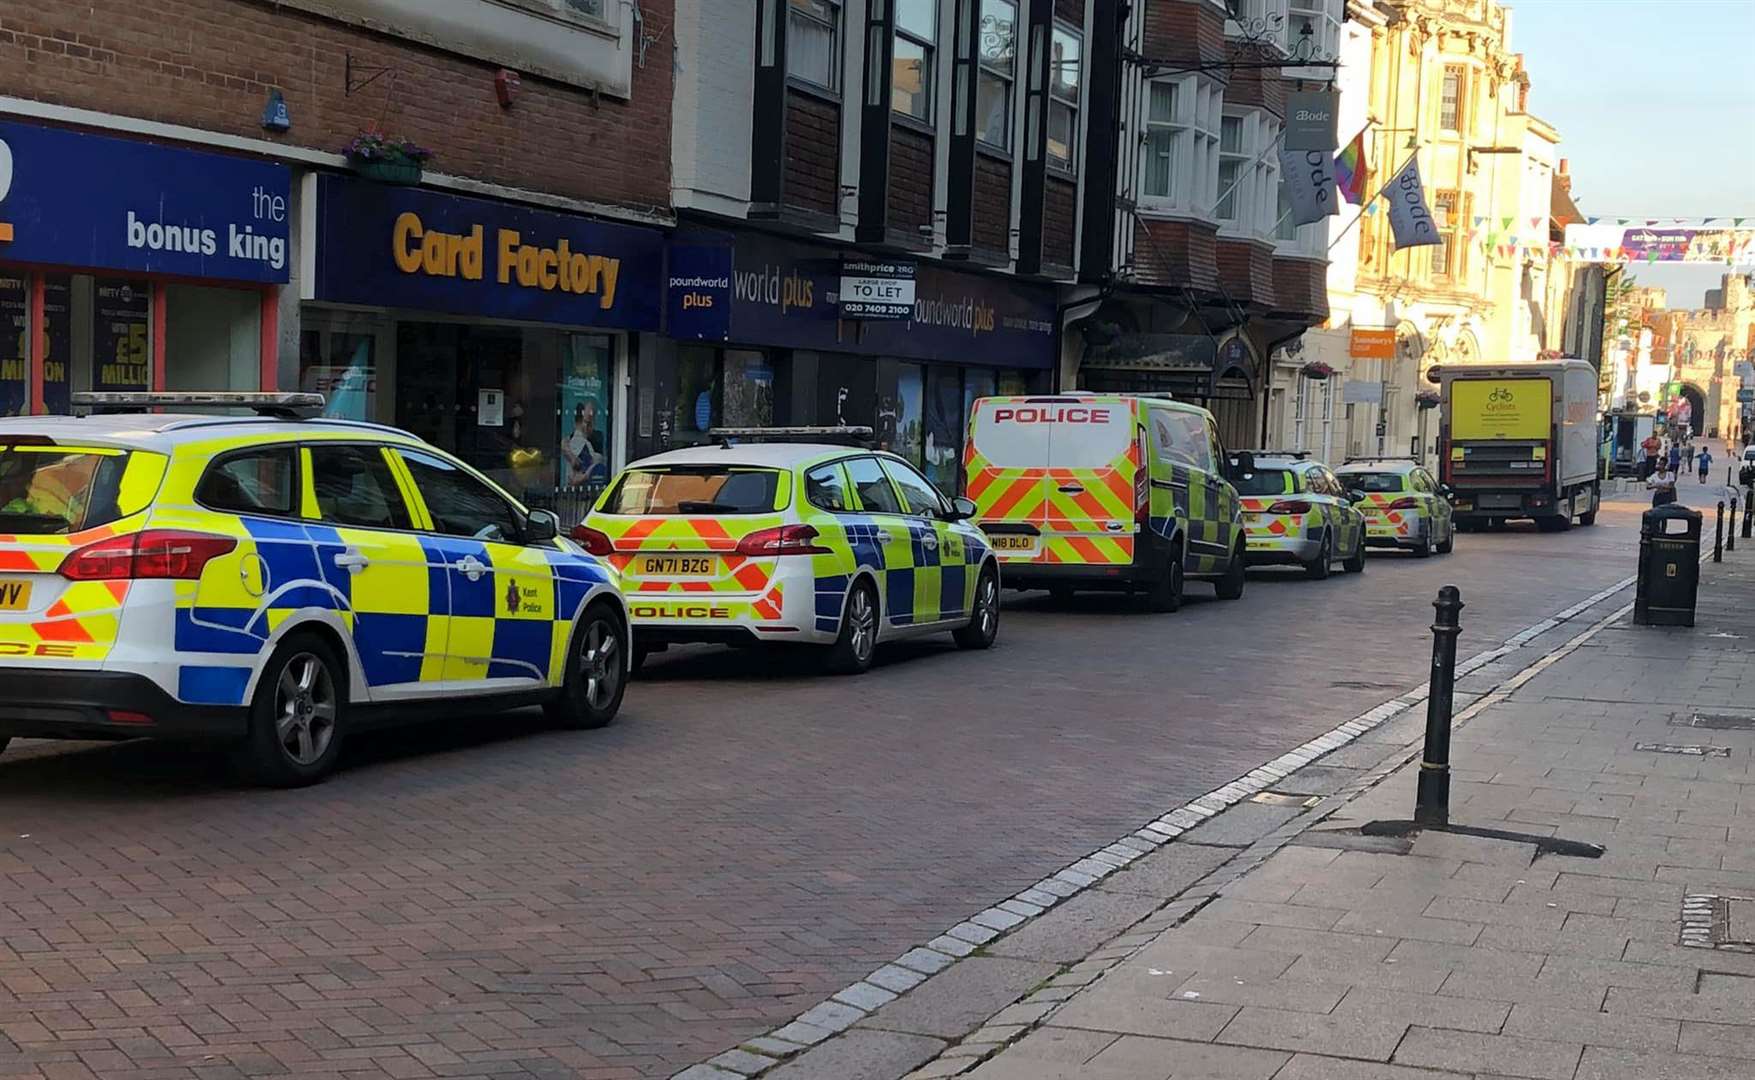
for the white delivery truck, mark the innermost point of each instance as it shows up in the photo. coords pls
(1519, 440)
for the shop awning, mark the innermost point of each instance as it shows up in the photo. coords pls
(1185, 365)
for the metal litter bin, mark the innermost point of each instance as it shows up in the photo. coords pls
(1669, 566)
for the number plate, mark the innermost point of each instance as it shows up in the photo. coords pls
(678, 565)
(14, 595)
(1013, 543)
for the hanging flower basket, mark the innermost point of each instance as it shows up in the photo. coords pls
(386, 158)
(1316, 369)
(1426, 399)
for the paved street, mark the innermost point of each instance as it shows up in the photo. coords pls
(500, 899)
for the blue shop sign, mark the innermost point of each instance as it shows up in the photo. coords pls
(411, 248)
(69, 198)
(785, 294)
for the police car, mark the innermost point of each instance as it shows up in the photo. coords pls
(278, 583)
(1404, 506)
(1295, 510)
(785, 537)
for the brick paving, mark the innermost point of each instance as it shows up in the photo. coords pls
(1443, 957)
(495, 899)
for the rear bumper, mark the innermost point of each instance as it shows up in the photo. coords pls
(1017, 575)
(1269, 549)
(52, 703)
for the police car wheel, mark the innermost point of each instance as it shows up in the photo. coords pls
(984, 621)
(596, 678)
(853, 650)
(1319, 567)
(1164, 594)
(1423, 550)
(297, 718)
(1230, 587)
(1356, 563)
(1448, 544)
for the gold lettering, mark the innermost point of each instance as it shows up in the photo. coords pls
(508, 255)
(564, 266)
(471, 254)
(529, 266)
(609, 269)
(408, 258)
(439, 255)
(546, 260)
(581, 274)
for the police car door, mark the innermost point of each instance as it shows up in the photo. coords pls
(940, 581)
(503, 624)
(885, 536)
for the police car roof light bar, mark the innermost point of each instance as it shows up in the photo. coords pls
(283, 406)
(842, 434)
(1299, 455)
(1383, 457)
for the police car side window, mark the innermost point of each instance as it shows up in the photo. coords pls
(354, 486)
(258, 481)
(825, 487)
(876, 496)
(918, 493)
(1181, 439)
(460, 504)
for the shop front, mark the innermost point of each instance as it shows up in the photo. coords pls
(764, 330)
(129, 265)
(500, 332)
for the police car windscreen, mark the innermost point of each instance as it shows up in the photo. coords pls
(1373, 481)
(45, 490)
(695, 489)
(1048, 433)
(1266, 482)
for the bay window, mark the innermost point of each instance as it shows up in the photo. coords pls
(911, 71)
(813, 42)
(1231, 162)
(1323, 19)
(1181, 144)
(998, 48)
(1249, 174)
(1064, 80)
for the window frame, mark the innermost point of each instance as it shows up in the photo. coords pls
(928, 68)
(314, 511)
(836, 26)
(1073, 107)
(1457, 107)
(838, 466)
(853, 485)
(1009, 78)
(298, 480)
(1446, 254)
(1255, 192)
(889, 464)
(1197, 111)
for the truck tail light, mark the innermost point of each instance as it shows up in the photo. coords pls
(1289, 506)
(782, 540)
(593, 541)
(154, 553)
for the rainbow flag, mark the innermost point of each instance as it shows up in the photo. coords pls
(1350, 169)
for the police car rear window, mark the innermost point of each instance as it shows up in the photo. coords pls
(1374, 481)
(694, 489)
(1267, 482)
(46, 490)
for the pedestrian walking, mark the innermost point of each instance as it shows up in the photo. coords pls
(1691, 453)
(1675, 460)
(1705, 462)
(1663, 486)
(1649, 465)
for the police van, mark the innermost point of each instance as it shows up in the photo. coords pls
(1106, 491)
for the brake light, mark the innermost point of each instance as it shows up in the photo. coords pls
(591, 540)
(1404, 504)
(127, 716)
(154, 553)
(783, 540)
(1289, 506)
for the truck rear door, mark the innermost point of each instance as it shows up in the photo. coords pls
(1501, 435)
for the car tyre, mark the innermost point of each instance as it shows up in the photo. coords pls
(856, 645)
(984, 619)
(1356, 564)
(1230, 587)
(1164, 594)
(298, 718)
(597, 671)
(1423, 550)
(1448, 545)
(1318, 568)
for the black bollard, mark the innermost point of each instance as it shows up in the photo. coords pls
(1731, 537)
(1718, 539)
(1748, 511)
(1432, 802)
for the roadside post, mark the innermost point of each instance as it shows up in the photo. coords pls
(1432, 793)
(1731, 537)
(1748, 511)
(1718, 539)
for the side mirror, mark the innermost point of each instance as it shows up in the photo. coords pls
(541, 526)
(1447, 491)
(962, 509)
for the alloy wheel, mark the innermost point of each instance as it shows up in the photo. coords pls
(863, 618)
(600, 663)
(305, 708)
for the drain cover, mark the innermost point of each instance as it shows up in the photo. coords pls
(1691, 751)
(1715, 721)
(1710, 921)
(1280, 798)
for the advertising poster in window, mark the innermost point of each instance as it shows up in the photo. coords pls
(57, 342)
(120, 338)
(14, 345)
(944, 427)
(340, 367)
(584, 405)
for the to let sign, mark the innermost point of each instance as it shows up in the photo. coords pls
(873, 289)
